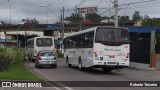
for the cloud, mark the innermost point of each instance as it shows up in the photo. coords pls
(31, 8)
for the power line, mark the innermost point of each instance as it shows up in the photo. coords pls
(132, 3)
(143, 6)
(99, 3)
(76, 6)
(150, 3)
(81, 3)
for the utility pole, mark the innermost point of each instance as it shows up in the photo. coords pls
(63, 24)
(62, 29)
(116, 13)
(10, 7)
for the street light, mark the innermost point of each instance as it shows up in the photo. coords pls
(10, 10)
(47, 11)
(17, 33)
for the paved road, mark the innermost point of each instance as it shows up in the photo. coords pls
(64, 73)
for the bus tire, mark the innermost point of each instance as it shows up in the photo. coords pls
(67, 62)
(80, 66)
(107, 69)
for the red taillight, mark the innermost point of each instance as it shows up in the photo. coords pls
(127, 56)
(39, 58)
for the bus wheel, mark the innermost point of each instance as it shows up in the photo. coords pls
(67, 62)
(107, 69)
(80, 66)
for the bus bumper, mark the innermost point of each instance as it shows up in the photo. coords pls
(110, 63)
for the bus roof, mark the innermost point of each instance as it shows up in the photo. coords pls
(92, 29)
(40, 37)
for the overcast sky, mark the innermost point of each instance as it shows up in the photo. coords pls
(32, 8)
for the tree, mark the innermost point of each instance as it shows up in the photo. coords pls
(136, 16)
(95, 18)
(21, 38)
(74, 18)
(124, 19)
(151, 22)
(146, 17)
(33, 21)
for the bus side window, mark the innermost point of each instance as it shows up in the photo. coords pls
(91, 38)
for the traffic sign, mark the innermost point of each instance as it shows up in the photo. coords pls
(56, 34)
(88, 10)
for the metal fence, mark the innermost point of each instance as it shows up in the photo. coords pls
(140, 51)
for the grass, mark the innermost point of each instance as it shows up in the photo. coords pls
(18, 72)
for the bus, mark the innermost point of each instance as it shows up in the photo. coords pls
(36, 44)
(102, 47)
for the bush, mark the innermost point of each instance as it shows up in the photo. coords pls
(5, 59)
(60, 55)
(9, 56)
(18, 55)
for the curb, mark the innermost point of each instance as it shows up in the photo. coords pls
(29, 68)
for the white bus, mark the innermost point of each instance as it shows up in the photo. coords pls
(36, 44)
(98, 47)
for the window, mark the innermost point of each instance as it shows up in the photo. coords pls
(41, 42)
(46, 54)
(30, 44)
(88, 39)
(104, 34)
(112, 34)
(84, 40)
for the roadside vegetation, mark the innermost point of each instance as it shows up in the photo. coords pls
(60, 55)
(12, 65)
(18, 72)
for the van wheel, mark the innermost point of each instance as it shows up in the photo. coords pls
(67, 62)
(28, 57)
(38, 66)
(35, 65)
(80, 66)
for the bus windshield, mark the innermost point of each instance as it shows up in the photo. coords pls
(43, 42)
(112, 34)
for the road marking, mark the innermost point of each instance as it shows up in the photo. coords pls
(53, 86)
(68, 88)
(63, 86)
